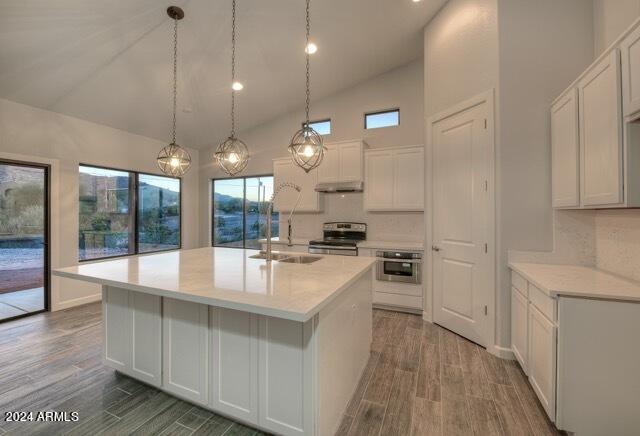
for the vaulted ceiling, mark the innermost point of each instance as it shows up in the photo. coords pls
(109, 61)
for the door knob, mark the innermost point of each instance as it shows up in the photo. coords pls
(435, 248)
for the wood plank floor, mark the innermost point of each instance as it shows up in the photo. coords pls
(421, 379)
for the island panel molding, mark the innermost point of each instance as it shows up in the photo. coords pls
(277, 373)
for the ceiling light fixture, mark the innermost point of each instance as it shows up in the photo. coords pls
(232, 154)
(306, 148)
(174, 160)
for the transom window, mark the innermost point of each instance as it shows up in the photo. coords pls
(323, 127)
(126, 212)
(376, 120)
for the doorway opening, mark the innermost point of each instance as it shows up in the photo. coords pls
(24, 239)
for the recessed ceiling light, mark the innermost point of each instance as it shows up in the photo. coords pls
(311, 48)
(416, 1)
(237, 86)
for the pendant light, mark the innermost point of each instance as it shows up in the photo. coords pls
(232, 154)
(306, 148)
(174, 160)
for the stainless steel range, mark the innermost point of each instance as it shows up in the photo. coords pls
(339, 238)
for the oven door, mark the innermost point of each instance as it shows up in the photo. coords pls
(399, 270)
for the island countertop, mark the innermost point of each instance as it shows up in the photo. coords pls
(230, 278)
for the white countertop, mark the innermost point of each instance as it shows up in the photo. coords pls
(384, 245)
(577, 281)
(228, 277)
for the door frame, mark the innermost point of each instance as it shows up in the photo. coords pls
(46, 228)
(487, 98)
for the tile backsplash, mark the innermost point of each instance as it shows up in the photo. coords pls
(381, 226)
(608, 239)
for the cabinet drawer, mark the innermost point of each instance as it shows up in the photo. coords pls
(519, 283)
(545, 304)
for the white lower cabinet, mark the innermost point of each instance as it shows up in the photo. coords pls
(519, 327)
(285, 376)
(234, 363)
(185, 349)
(132, 334)
(542, 359)
(533, 338)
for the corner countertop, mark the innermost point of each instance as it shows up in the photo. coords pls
(383, 245)
(577, 281)
(230, 278)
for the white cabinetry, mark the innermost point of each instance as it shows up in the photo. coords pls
(607, 96)
(343, 162)
(394, 179)
(565, 151)
(234, 363)
(185, 341)
(284, 170)
(519, 327)
(601, 133)
(132, 334)
(630, 47)
(533, 338)
(542, 359)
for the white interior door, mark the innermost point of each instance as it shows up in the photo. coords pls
(461, 262)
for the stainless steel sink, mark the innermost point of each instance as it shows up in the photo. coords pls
(274, 256)
(301, 259)
(288, 258)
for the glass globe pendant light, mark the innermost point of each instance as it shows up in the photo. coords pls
(306, 148)
(174, 160)
(232, 154)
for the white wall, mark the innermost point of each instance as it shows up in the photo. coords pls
(523, 51)
(610, 19)
(538, 59)
(401, 87)
(460, 53)
(37, 135)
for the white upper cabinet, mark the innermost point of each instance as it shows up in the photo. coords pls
(565, 151)
(601, 133)
(284, 170)
(631, 73)
(342, 162)
(394, 179)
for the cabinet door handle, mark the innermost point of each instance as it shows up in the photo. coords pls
(435, 248)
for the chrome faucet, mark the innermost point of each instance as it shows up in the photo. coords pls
(276, 191)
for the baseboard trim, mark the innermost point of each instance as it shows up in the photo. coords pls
(501, 352)
(76, 302)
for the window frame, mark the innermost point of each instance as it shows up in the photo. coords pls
(379, 112)
(324, 120)
(244, 208)
(134, 180)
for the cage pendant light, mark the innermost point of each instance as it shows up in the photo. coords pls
(306, 148)
(174, 160)
(232, 155)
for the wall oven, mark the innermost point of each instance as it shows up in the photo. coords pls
(399, 266)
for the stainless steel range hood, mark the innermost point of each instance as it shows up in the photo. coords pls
(340, 187)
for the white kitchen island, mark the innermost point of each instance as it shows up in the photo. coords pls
(280, 347)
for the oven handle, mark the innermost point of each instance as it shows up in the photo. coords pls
(331, 247)
(385, 259)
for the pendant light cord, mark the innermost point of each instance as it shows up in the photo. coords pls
(175, 77)
(306, 49)
(233, 69)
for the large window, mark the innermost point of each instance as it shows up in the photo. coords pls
(123, 213)
(239, 208)
(323, 127)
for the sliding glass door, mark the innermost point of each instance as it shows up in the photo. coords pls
(24, 263)
(239, 207)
